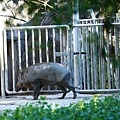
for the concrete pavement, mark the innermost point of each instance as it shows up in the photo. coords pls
(14, 101)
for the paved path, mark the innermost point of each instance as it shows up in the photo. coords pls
(14, 101)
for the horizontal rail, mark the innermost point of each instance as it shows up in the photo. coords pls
(91, 19)
(36, 27)
(114, 19)
(98, 91)
(31, 91)
(93, 91)
(92, 25)
(59, 54)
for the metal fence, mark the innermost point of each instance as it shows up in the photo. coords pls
(24, 46)
(96, 62)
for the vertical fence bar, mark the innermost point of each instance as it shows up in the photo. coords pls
(79, 60)
(71, 49)
(33, 46)
(95, 39)
(84, 58)
(54, 50)
(2, 70)
(67, 50)
(100, 57)
(88, 59)
(47, 53)
(61, 46)
(19, 49)
(40, 52)
(54, 56)
(76, 56)
(117, 80)
(64, 43)
(103, 63)
(5, 61)
(26, 48)
(112, 54)
(76, 42)
(91, 52)
(108, 62)
(13, 60)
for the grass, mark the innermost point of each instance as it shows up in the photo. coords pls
(97, 108)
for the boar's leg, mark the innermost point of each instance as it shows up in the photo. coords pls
(37, 87)
(66, 83)
(70, 88)
(64, 91)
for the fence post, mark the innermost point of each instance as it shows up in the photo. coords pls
(2, 64)
(76, 42)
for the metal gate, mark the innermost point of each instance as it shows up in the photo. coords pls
(24, 46)
(98, 57)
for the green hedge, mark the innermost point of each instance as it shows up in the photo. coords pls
(97, 108)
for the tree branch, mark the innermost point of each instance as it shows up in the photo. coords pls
(8, 7)
(13, 17)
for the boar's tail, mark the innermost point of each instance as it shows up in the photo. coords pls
(72, 79)
(78, 87)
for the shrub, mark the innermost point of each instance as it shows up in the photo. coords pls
(97, 108)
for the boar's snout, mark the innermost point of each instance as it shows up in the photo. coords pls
(18, 87)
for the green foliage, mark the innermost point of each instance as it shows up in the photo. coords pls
(104, 7)
(61, 10)
(97, 108)
(93, 37)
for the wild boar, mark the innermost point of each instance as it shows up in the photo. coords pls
(41, 74)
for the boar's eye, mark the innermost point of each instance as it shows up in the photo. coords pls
(20, 72)
(21, 81)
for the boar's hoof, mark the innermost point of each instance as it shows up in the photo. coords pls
(35, 98)
(61, 98)
(75, 96)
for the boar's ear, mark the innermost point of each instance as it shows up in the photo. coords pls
(20, 72)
